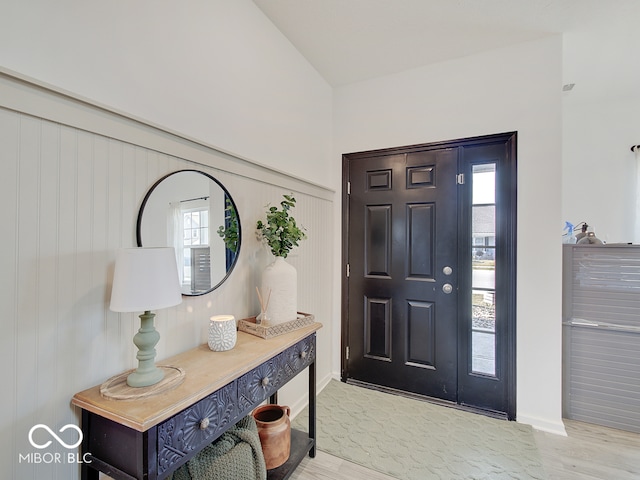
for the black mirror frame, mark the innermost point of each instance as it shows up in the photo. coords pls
(227, 194)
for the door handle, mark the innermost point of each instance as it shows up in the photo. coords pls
(447, 288)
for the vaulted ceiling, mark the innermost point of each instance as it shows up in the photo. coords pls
(353, 40)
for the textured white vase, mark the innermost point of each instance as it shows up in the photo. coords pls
(281, 278)
(222, 333)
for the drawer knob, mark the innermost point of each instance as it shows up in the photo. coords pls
(265, 381)
(303, 355)
(204, 423)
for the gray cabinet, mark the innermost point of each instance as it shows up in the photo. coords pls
(601, 335)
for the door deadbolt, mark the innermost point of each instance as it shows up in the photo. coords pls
(447, 270)
(447, 288)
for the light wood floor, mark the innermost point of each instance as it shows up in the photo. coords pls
(588, 452)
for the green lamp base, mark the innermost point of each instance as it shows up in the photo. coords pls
(146, 339)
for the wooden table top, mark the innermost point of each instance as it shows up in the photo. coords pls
(205, 372)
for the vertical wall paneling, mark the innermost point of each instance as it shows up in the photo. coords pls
(114, 206)
(27, 335)
(70, 200)
(9, 131)
(46, 287)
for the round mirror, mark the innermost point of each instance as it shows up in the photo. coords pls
(192, 212)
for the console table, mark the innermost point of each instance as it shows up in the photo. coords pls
(150, 437)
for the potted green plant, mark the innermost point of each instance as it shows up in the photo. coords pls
(280, 231)
(279, 279)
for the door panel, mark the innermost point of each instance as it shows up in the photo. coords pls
(421, 335)
(420, 241)
(402, 326)
(377, 328)
(377, 241)
(486, 377)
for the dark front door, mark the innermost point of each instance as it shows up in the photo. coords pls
(402, 261)
(428, 297)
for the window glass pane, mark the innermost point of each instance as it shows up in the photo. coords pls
(483, 275)
(484, 183)
(484, 310)
(483, 360)
(483, 339)
(195, 219)
(186, 233)
(483, 225)
(196, 229)
(484, 253)
(186, 280)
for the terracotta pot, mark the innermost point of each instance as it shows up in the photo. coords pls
(274, 429)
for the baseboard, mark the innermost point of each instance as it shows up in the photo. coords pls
(543, 425)
(303, 401)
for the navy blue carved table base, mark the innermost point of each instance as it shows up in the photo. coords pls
(126, 453)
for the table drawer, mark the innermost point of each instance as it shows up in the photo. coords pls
(255, 386)
(261, 382)
(299, 357)
(186, 432)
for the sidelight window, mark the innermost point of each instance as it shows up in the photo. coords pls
(483, 262)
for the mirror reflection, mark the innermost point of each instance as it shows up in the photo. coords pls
(192, 212)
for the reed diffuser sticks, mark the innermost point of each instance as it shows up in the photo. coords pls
(263, 306)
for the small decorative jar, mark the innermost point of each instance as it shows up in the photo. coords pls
(222, 333)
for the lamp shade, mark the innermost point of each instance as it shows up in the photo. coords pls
(145, 279)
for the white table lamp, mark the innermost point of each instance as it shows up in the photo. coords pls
(145, 279)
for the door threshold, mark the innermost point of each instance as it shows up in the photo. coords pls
(425, 398)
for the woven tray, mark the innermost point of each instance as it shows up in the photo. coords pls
(269, 331)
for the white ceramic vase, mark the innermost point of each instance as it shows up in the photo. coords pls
(281, 279)
(222, 333)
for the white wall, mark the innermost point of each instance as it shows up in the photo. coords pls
(219, 72)
(516, 88)
(70, 199)
(73, 177)
(215, 70)
(599, 169)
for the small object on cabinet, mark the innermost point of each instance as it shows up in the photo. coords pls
(222, 333)
(251, 326)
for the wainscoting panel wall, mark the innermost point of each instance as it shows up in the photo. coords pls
(69, 198)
